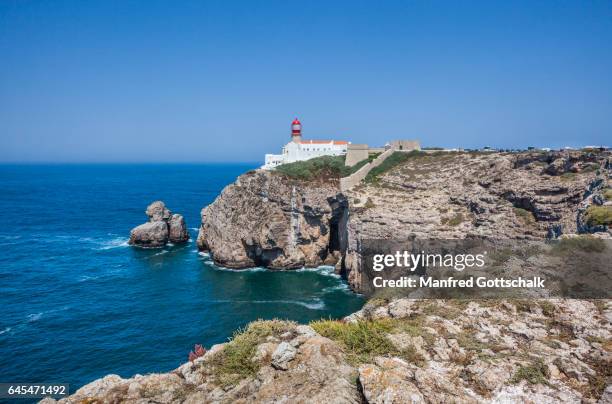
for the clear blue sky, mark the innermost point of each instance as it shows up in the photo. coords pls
(221, 81)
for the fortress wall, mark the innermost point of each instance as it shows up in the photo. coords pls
(356, 153)
(352, 180)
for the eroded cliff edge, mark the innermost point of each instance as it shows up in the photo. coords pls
(266, 219)
(271, 220)
(401, 350)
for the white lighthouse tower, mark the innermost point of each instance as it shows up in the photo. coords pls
(296, 131)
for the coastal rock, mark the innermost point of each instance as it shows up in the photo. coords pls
(177, 229)
(447, 195)
(151, 234)
(266, 219)
(158, 212)
(457, 352)
(283, 354)
(162, 227)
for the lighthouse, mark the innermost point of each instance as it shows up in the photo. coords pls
(299, 150)
(296, 131)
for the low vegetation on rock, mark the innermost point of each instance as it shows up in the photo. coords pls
(234, 363)
(392, 161)
(316, 168)
(323, 167)
(430, 351)
(525, 215)
(599, 215)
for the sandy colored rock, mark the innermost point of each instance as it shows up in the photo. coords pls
(162, 227)
(177, 229)
(151, 234)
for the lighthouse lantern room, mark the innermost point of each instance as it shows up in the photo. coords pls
(296, 130)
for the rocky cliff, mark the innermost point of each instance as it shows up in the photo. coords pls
(268, 219)
(398, 350)
(419, 351)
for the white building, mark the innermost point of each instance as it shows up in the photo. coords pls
(299, 150)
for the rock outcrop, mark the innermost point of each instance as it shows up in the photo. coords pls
(419, 351)
(266, 219)
(465, 195)
(397, 350)
(162, 228)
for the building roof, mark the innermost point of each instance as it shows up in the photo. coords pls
(336, 142)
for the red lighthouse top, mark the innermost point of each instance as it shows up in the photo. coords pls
(296, 128)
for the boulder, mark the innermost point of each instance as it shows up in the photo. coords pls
(177, 229)
(162, 227)
(151, 234)
(157, 211)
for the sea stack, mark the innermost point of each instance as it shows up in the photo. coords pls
(163, 227)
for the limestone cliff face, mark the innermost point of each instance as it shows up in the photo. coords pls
(490, 195)
(265, 219)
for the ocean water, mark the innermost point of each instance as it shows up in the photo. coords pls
(77, 303)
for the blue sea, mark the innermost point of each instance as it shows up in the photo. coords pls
(77, 303)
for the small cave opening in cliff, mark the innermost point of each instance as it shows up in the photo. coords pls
(337, 225)
(262, 257)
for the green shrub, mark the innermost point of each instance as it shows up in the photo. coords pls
(456, 220)
(607, 193)
(599, 215)
(589, 168)
(316, 168)
(568, 176)
(585, 243)
(535, 373)
(390, 162)
(234, 362)
(525, 215)
(362, 341)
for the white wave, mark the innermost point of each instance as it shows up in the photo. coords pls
(218, 268)
(34, 317)
(5, 237)
(7, 329)
(325, 270)
(194, 228)
(315, 304)
(343, 287)
(85, 278)
(114, 243)
(162, 252)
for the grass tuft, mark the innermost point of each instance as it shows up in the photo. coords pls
(390, 162)
(364, 340)
(535, 373)
(572, 245)
(525, 215)
(235, 361)
(599, 215)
